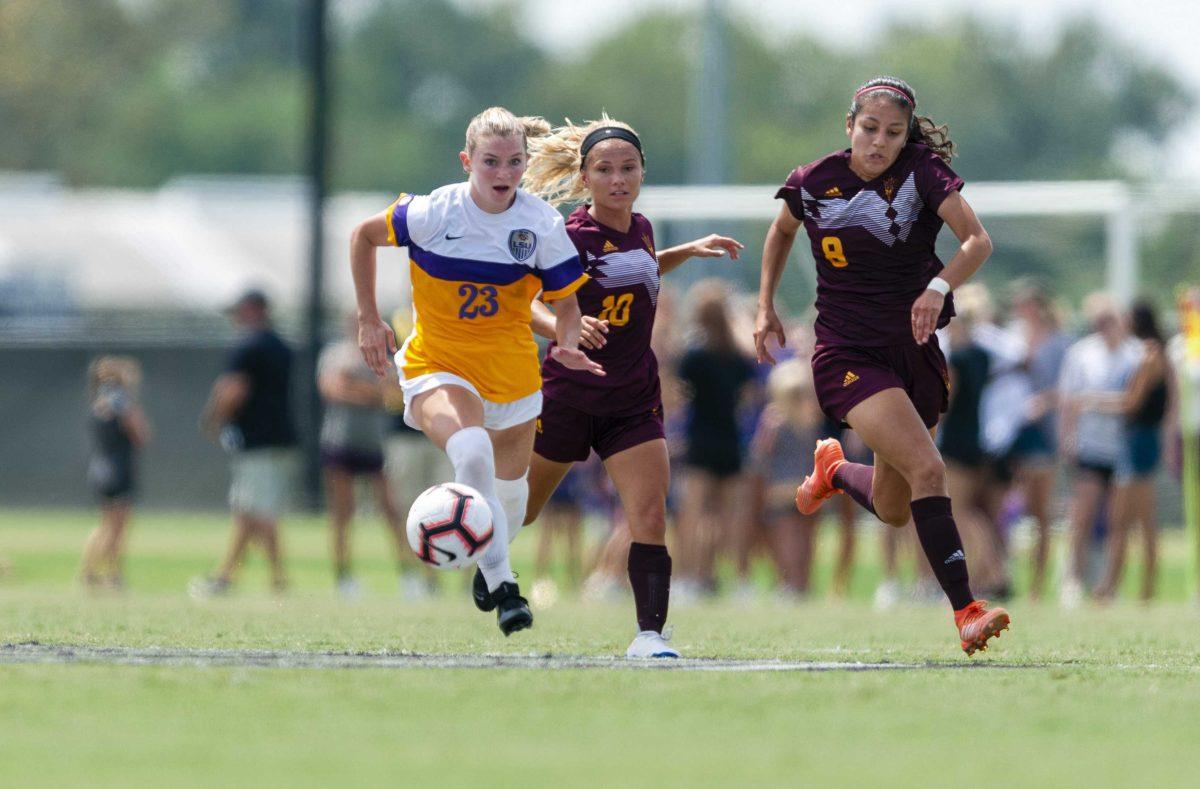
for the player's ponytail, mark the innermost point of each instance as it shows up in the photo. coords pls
(555, 171)
(499, 122)
(534, 126)
(921, 128)
(925, 131)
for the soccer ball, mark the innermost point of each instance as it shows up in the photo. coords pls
(449, 525)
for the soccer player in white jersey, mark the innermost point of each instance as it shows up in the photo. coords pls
(479, 251)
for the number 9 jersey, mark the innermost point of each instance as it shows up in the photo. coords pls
(873, 242)
(474, 275)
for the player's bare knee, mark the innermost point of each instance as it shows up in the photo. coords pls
(648, 524)
(928, 474)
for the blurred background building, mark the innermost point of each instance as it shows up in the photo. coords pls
(154, 158)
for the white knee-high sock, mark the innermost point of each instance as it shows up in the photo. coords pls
(514, 496)
(470, 452)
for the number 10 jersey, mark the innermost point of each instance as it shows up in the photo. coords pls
(622, 288)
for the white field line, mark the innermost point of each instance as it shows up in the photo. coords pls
(153, 656)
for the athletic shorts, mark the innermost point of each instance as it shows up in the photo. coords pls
(352, 461)
(1141, 453)
(496, 416)
(1033, 446)
(111, 480)
(1104, 471)
(261, 480)
(568, 435)
(846, 375)
(720, 456)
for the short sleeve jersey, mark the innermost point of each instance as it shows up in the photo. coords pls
(622, 288)
(265, 419)
(873, 242)
(474, 275)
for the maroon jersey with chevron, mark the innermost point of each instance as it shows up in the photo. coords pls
(622, 288)
(873, 242)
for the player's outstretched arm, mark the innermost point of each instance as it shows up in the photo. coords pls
(974, 247)
(568, 327)
(778, 244)
(376, 340)
(543, 322)
(711, 246)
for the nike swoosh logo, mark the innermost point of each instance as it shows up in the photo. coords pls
(453, 238)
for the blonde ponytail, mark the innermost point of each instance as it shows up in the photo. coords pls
(555, 171)
(499, 122)
(534, 126)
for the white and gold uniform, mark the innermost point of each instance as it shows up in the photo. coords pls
(474, 275)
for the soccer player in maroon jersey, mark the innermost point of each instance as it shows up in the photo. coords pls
(601, 164)
(872, 213)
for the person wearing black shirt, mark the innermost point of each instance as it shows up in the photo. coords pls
(249, 412)
(119, 431)
(960, 441)
(715, 372)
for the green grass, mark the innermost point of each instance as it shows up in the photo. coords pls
(1102, 697)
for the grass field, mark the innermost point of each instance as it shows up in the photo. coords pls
(1100, 697)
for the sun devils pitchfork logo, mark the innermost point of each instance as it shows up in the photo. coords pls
(521, 244)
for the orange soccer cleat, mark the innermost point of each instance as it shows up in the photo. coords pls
(818, 486)
(976, 624)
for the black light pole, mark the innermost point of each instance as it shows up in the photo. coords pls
(318, 139)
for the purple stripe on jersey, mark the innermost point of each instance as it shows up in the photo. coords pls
(465, 269)
(561, 274)
(399, 220)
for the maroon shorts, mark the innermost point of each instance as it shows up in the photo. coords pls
(568, 435)
(846, 375)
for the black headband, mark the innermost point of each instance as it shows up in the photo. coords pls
(609, 133)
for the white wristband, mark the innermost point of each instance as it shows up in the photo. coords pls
(939, 284)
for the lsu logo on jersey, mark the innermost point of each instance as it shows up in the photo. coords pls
(521, 244)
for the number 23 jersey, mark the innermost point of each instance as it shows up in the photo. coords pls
(873, 242)
(474, 275)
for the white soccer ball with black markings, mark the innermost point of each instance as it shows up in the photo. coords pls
(449, 526)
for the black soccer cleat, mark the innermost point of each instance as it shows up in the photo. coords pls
(479, 591)
(512, 612)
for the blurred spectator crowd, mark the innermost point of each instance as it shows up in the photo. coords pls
(1060, 421)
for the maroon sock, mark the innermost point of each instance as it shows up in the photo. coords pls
(943, 547)
(855, 480)
(650, 577)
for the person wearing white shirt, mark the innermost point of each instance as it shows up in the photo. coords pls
(1095, 368)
